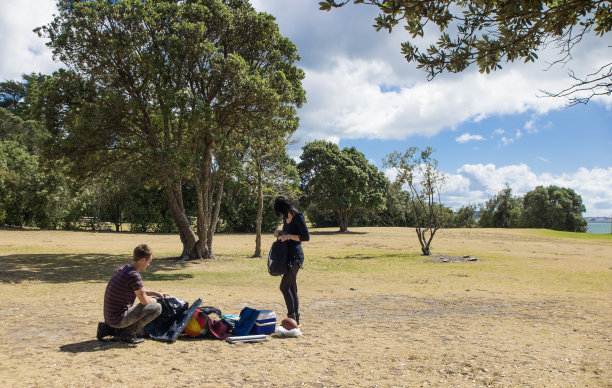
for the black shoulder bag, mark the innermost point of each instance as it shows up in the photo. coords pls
(278, 260)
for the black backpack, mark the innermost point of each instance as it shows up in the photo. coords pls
(278, 260)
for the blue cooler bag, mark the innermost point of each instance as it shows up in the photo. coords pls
(265, 323)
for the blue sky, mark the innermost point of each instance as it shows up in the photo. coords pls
(488, 130)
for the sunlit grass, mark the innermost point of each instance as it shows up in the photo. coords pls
(516, 262)
(574, 235)
(532, 296)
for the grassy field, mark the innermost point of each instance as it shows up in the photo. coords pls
(533, 311)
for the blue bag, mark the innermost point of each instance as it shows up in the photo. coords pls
(248, 316)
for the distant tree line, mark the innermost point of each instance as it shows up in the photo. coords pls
(37, 190)
(336, 187)
(551, 207)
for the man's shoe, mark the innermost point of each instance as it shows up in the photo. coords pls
(104, 330)
(131, 339)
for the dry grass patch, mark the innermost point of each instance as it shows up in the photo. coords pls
(533, 311)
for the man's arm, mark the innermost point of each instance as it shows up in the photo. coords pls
(155, 293)
(143, 297)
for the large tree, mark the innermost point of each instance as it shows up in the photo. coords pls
(419, 172)
(341, 181)
(33, 191)
(465, 217)
(503, 210)
(489, 32)
(554, 207)
(11, 94)
(180, 79)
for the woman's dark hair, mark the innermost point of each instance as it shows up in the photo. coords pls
(282, 206)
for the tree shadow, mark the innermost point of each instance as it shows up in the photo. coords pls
(366, 257)
(332, 233)
(353, 257)
(67, 268)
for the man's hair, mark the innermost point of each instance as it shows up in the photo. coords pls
(143, 251)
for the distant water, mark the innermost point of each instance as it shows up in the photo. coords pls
(598, 227)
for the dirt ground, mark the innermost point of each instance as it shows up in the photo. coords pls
(532, 311)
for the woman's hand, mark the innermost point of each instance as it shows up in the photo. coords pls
(277, 233)
(285, 237)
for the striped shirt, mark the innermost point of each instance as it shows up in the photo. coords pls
(119, 295)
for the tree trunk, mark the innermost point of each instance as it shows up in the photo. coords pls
(343, 218)
(117, 219)
(204, 193)
(188, 238)
(259, 218)
(215, 216)
(201, 226)
(424, 240)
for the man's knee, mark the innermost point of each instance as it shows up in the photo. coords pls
(155, 308)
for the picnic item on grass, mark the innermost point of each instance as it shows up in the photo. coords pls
(171, 323)
(197, 325)
(231, 319)
(248, 316)
(218, 329)
(202, 325)
(281, 332)
(247, 338)
(265, 322)
(289, 323)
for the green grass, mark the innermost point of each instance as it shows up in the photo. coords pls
(574, 235)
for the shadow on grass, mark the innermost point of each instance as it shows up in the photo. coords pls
(94, 346)
(108, 344)
(78, 268)
(333, 233)
(367, 257)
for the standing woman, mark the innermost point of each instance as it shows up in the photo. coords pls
(295, 231)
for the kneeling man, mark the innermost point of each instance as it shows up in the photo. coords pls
(124, 286)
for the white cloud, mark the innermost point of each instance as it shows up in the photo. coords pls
(468, 137)
(542, 159)
(346, 100)
(507, 140)
(518, 134)
(476, 183)
(530, 127)
(21, 50)
(345, 97)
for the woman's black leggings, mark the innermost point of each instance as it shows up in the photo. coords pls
(288, 287)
